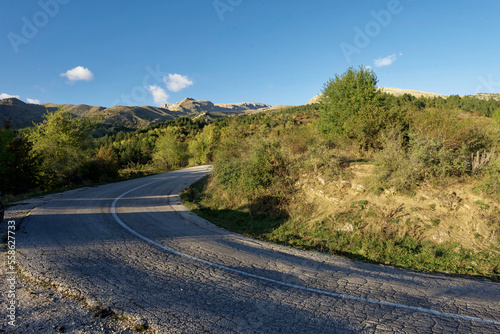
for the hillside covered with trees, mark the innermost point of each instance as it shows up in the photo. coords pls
(412, 182)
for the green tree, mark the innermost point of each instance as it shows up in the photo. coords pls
(170, 151)
(62, 145)
(6, 157)
(351, 107)
(201, 147)
(496, 115)
(17, 169)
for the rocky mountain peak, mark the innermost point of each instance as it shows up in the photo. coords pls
(191, 105)
(12, 101)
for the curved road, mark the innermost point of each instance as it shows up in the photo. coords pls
(132, 246)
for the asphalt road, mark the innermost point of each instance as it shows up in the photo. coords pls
(132, 246)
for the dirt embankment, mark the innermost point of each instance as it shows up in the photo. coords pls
(450, 214)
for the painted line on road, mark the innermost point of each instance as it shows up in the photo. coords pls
(294, 286)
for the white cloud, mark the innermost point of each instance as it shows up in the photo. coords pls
(34, 101)
(160, 96)
(177, 82)
(6, 96)
(78, 73)
(385, 61)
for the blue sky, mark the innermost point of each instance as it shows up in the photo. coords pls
(131, 52)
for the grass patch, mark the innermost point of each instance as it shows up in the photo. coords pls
(482, 205)
(405, 251)
(239, 220)
(435, 222)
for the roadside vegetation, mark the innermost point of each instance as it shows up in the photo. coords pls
(405, 181)
(393, 180)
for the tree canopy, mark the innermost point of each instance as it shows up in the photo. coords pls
(61, 143)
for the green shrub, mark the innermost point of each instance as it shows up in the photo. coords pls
(496, 115)
(449, 128)
(266, 165)
(297, 139)
(17, 167)
(227, 169)
(490, 179)
(256, 171)
(435, 159)
(255, 179)
(436, 146)
(102, 167)
(394, 167)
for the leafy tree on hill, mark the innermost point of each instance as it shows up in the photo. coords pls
(170, 151)
(17, 169)
(202, 146)
(352, 108)
(62, 145)
(496, 115)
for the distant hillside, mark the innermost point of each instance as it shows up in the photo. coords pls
(315, 99)
(21, 114)
(487, 96)
(416, 93)
(393, 91)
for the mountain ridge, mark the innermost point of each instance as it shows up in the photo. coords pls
(202, 105)
(20, 114)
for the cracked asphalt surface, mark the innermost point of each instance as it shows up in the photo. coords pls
(133, 247)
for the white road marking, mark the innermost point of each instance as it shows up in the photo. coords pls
(294, 286)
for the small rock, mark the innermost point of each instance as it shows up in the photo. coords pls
(343, 184)
(141, 324)
(104, 313)
(59, 329)
(347, 228)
